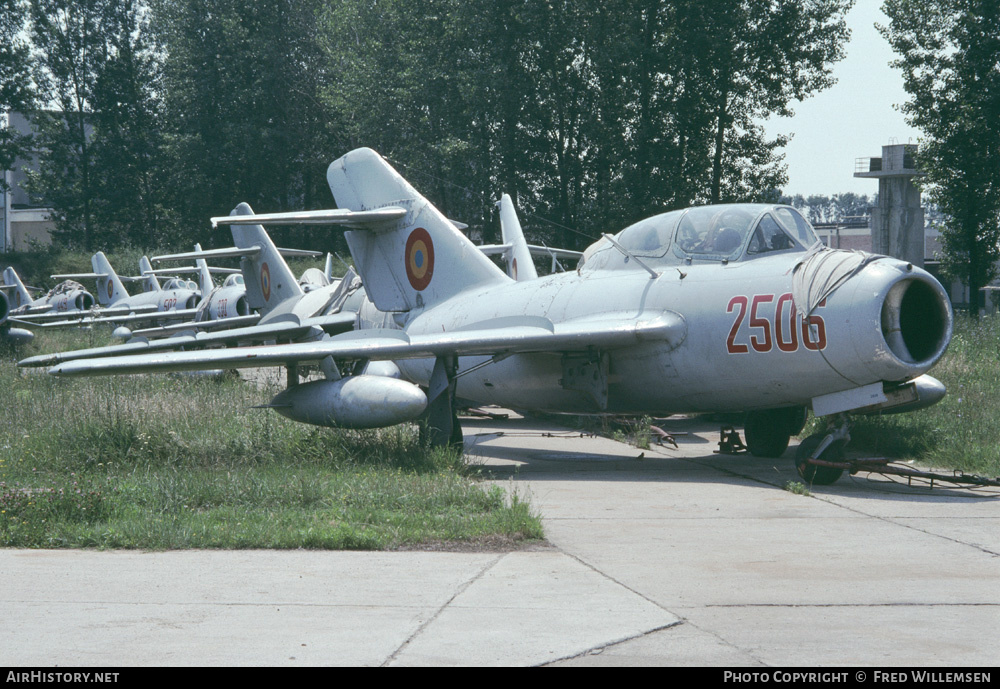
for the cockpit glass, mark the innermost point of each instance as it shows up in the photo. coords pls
(769, 236)
(650, 237)
(797, 226)
(713, 232)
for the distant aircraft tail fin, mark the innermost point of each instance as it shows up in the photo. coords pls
(20, 295)
(149, 281)
(110, 288)
(205, 281)
(520, 265)
(416, 261)
(328, 268)
(267, 277)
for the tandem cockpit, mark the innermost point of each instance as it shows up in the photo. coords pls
(725, 233)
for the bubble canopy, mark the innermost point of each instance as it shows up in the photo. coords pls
(726, 232)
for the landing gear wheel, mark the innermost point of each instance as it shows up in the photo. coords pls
(819, 475)
(765, 433)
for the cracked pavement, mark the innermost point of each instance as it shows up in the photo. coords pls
(658, 556)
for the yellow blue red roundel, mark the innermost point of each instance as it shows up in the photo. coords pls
(265, 281)
(111, 288)
(419, 259)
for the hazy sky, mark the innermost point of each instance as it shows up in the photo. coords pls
(852, 119)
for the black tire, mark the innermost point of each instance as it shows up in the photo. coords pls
(766, 433)
(817, 475)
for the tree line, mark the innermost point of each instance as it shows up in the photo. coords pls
(154, 115)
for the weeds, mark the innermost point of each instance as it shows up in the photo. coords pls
(185, 462)
(797, 487)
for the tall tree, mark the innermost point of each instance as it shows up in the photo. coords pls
(69, 41)
(949, 51)
(127, 141)
(593, 114)
(17, 92)
(240, 86)
(764, 56)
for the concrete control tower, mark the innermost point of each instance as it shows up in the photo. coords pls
(898, 220)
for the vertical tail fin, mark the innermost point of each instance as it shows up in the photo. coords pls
(20, 295)
(109, 289)
(328, 268)
(268, 279)
(520, 265)
(149, 283)
(421, 260)
(205, 281)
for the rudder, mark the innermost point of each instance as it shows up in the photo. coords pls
(20, 295)
(267, 277)
(109, 289)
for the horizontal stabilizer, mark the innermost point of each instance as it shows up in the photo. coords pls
(79, 276)
(558, 253)
(228, 252)
(337, 216)
(233, 252)
(190, 269)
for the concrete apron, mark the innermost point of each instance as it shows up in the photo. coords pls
(656, 556)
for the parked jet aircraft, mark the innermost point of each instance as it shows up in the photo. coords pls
(715, 308)
(65, 299)
(116, 303)
(287, 312)
(223, 306)
(516, 252)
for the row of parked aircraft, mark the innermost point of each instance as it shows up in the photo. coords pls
(705, 309)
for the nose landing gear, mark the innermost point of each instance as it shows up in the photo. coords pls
(819, 459)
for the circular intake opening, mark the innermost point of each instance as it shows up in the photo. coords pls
(915, 321)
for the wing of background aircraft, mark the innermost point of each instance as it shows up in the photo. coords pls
(288, 328)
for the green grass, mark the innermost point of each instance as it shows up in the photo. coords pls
(963, 430)
(159, 462)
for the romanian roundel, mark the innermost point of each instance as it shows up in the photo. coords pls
(419, 259)
(265, 281)
(514, 271)
(111, 288)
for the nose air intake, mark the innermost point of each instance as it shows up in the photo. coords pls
(916, 321)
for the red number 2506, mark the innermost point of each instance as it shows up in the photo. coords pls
(773, 322)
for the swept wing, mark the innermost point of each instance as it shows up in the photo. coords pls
(490, 338)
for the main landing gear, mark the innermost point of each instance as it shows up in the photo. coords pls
(440, 426)
(818, 459)
(768, 432)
